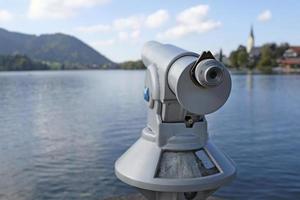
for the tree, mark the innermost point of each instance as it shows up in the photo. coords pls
(266, 61)
(281, 49)
(132, 65)
(234, 59)
(242, 58)
(263, 58)
(20, 62)
(239, 58)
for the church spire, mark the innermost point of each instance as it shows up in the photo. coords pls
(251, 32)
(250, 43)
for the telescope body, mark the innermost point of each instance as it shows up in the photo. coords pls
(174, 157)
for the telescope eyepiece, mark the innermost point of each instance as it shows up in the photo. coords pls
(209, 73)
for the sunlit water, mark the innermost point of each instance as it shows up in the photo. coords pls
(60, 133)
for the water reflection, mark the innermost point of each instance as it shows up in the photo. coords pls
(62, 131)
(249, 82)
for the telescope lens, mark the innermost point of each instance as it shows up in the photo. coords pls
(209, 73)
(213, 74)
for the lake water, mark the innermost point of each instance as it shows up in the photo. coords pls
(60, 133)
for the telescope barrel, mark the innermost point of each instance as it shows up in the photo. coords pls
(201, 87)
(159, 54)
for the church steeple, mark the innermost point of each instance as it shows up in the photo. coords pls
(251, 32)
(251, 40)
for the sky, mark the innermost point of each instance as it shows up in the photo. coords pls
(118, 29)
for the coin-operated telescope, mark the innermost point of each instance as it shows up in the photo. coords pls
(174, 159)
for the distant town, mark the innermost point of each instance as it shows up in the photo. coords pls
(268, 58)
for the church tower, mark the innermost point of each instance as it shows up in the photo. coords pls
(250, 43)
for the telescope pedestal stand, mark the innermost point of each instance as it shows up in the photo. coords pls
(150, 195)
(165, 174)
(180, 165)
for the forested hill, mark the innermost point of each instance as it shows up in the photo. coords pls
(58, 47)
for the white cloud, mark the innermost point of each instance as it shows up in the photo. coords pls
(191, 20)
(193, 15)
(121, 24)
(132, 22)
(157, 19)
(5, 16)
(127, 29)
(126, 36)
(182, 30)
(84, 3)
(102, 43)
(135, 34)
(58, 9)
(123, 35)
(122, 29)
(266, 15)
(93, 29)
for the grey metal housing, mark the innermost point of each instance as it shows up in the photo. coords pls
(174, 157)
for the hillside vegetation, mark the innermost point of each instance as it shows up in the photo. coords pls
(60, 48)
(20, 62)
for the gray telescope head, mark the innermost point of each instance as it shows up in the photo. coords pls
(200, 84)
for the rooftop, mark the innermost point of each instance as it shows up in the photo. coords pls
(295, 49)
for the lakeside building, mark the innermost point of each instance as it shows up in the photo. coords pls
(291, 58)
(288, 62)
(252, 50)
(251, 41)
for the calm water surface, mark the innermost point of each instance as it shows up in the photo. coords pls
(60, 133)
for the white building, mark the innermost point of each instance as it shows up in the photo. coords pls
(251, 41)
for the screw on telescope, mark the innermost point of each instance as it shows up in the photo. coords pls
(189, 121)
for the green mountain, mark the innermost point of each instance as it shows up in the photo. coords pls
(57, 47)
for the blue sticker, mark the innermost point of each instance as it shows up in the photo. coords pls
(146, 94)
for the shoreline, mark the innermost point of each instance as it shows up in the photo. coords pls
(233, 72)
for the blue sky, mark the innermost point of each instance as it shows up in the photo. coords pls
(118, 29)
